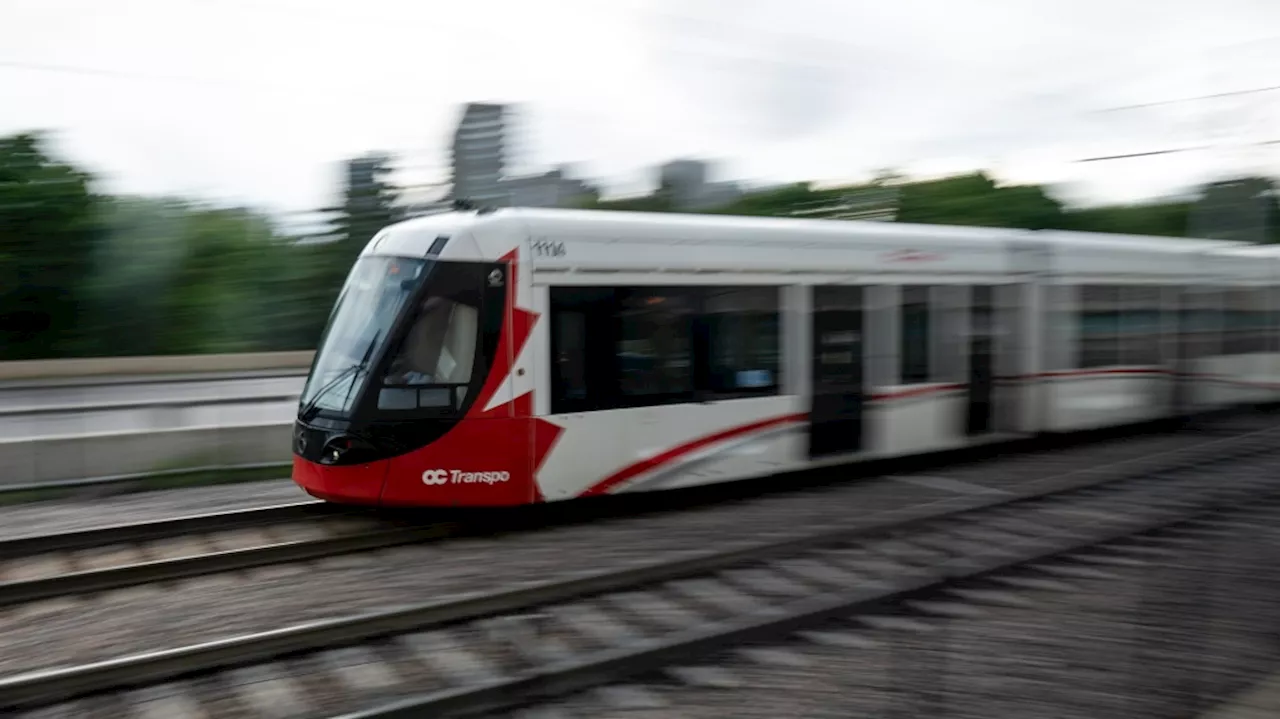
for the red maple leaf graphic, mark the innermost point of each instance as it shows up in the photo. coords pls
(511, 342)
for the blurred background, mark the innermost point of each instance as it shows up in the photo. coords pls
(195, 176)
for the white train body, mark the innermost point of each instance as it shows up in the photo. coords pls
(670, 350)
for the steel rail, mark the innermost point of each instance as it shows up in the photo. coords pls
(135, 532)
(58, 684)
(778, 621)
(97, 580)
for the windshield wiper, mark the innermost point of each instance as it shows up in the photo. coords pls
(312, 407)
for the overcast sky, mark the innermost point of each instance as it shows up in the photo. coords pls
(258, 100)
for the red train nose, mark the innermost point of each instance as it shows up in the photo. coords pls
(347, 484)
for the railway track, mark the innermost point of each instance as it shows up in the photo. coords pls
(101, 559)
(925, 647)
(46, 566)
(497, 650)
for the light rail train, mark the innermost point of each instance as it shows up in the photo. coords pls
(499, 358)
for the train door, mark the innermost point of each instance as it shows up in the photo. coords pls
(982, 354)
(836, 402)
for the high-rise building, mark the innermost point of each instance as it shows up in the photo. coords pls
(480, 153)
(365, 176)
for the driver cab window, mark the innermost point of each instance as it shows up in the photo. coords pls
(441, 351)
(440, 347)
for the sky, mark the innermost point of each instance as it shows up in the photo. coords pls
(259, 101)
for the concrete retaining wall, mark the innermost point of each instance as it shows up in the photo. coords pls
(153, 366)
(54, 459)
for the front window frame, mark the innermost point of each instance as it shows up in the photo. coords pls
(492, 317)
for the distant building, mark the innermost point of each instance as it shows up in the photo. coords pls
(362, 172)
(481, 150)
(686, 181)
(551, 189)
(429, 199)
(364, 180)
(479, 153)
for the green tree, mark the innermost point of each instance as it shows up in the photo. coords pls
(297, 295)
(133, 268)
(218, 298)
(778, 202)
(48, 228)
(976, 199)
(1242, 209)
(1168, 219)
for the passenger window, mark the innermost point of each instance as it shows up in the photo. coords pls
(615, 347)
(570, 354)
(1245, 322)
(655, 349)
(1200, 321)
(1099, 326)
(915, 335)
(583, 377)
(1141, 325)
(742, 340)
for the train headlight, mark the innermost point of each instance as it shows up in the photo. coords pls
(338, 448)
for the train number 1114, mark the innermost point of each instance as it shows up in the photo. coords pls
(548, 248)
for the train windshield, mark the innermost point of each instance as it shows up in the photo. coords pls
(368, 305)
(442, 353)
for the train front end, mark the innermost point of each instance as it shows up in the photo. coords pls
(411, 397)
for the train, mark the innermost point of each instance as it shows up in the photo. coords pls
(506, 357)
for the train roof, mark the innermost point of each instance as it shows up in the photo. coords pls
(1143, 243)
(605, 224)
(717, 239)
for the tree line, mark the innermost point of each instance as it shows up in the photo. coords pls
(86, 274)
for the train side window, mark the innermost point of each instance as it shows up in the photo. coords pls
(1140, 325)
(1244, 322)
(742, 330)
(1200, 321)
(1271, 318)
(915, 335)
(1235, 321)
(582, 362)
(571, 354)
(655, 345)
(1099, 326)
(1258, 320)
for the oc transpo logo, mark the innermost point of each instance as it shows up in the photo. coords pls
(435, 476)
(456, 476)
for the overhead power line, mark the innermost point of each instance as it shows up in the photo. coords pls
(1149, 153)
(1212, 96)
(1169, 151)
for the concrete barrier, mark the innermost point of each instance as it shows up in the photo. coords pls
(126, 406)
(297, 362)
(109, 454)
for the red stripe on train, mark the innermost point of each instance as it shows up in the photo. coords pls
(667, 456)
(670, 455)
